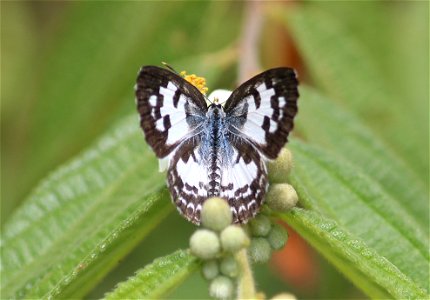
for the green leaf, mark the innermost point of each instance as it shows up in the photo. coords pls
(348, 70)
(363, 211)
(341, 132)
(83, 218)
(157, 279)
(369, 270)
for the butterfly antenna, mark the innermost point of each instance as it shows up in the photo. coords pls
(208, 100)
(169, 67)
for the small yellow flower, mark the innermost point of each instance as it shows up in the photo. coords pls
(198, 82)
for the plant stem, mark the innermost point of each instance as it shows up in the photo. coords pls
(245, 284)
(251, 29)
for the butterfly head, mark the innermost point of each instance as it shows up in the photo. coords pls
(215, 106)
(215, 109)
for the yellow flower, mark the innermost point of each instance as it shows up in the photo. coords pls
(198, 82)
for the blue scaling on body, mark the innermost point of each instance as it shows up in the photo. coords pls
(217, 150)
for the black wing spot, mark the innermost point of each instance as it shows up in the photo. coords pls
(166, 123)
(266, 123)
(257, 98)
(176, 97)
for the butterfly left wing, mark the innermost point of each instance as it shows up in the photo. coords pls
(171, 109)
(261, 110)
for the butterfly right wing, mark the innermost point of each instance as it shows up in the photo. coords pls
(261, 111)
(171, 109)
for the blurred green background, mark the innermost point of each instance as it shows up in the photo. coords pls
(68, 70)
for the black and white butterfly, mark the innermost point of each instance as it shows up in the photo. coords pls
(217, 150)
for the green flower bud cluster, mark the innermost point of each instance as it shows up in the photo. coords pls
(217, 244)
(266, 236)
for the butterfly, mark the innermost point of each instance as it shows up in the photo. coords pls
(217, 150)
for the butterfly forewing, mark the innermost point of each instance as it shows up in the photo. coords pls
(262, 110)
(171, 109)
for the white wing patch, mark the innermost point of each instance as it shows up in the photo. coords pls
(180, 128)
(239, 175)
(193, 174)
(258, 110)
(176, 127)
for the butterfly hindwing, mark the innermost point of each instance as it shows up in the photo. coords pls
(244, 182)
(262, 110)
(240, 178)
(170, 108)
(188, 180)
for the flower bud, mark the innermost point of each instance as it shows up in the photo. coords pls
(216, 214)
(204, 244)
(221, 288)
(229, 266)
(259, 251)
(234, 238)
(281, 197)
(277, 237)
(281, 167)
(210, 269)
(260, 225)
